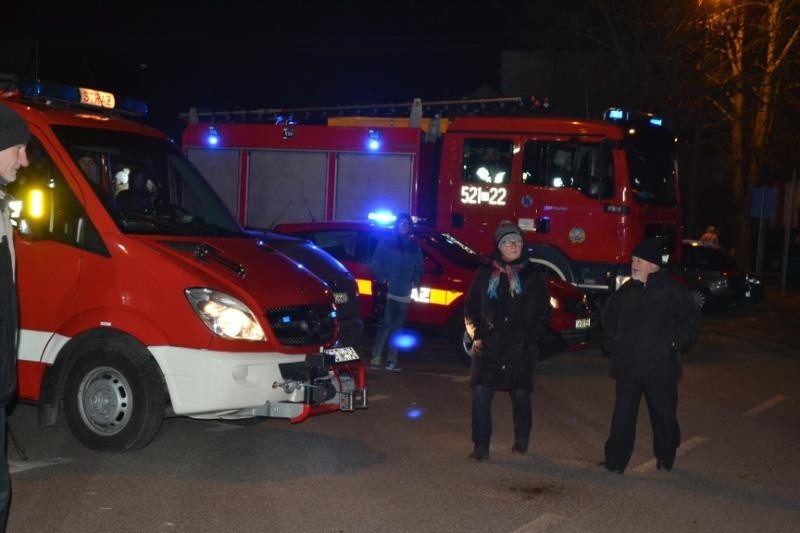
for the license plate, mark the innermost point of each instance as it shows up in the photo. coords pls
(583, 323)
(343, 354)
(340, 297)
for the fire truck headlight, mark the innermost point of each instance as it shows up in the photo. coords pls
(554, 303)
(225, 315)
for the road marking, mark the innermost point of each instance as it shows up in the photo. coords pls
(766, 405)
(685, 447)
(377, 397)
(544, 522)
(455, 377)
(20, 466)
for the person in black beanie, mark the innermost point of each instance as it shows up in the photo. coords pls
(506, 311)
(14, 136)
(647, 323)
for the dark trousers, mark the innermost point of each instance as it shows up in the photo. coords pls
(660, 390)
(394, 317)
(5, 478)
(522, 413)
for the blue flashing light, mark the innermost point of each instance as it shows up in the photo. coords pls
(286, 319)
(383, 217)
(213, 136)
(373, 140)
(615, 114)
(656, 121)
(405, 340)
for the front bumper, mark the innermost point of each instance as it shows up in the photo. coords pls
(230, 385)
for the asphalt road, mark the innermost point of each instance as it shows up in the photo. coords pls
(401, 464)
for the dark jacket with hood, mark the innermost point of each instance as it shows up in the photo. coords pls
(397, 261)
(645, 326)
(509, 326)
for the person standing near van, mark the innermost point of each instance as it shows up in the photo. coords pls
(506, 311)
(397, 262)
(14, 136)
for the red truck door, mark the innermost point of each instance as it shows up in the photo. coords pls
(477, 188)
(49, 246)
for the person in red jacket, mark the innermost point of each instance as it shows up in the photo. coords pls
(647, 323)
(506, 311)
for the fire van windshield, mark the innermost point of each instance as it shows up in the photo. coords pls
(147, 184)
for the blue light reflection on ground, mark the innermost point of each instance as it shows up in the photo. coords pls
(414, 413)
(405, 340)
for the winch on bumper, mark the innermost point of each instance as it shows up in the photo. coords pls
(333, 380)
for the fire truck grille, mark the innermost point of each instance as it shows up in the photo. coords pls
(303, 324)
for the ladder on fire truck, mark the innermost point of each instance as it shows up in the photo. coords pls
(414, 111)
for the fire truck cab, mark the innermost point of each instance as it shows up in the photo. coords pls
(142, 297)
(584, 192)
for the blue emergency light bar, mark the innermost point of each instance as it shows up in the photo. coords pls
(616, 114)
(382, 217)
(81, 96)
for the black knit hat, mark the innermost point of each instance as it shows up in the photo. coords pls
(13, 130)
(505, 229)
(651, 250)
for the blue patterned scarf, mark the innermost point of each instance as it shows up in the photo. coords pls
(514, 286)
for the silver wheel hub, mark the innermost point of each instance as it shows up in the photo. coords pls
(104, 400)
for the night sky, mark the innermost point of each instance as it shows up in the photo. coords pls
(244, 55)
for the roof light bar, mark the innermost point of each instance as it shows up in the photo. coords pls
(81, 96)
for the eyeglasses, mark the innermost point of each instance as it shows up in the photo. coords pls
(511, 243)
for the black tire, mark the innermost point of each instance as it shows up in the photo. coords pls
(554, 261)
(113, 396)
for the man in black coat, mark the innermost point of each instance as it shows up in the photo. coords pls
(647, 323)
(14, 136)
(506, 311)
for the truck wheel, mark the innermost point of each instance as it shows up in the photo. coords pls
(555, 261)
(700, 297)
(113, 397)
(455, 335)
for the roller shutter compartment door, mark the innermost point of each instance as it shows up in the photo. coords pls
(367, 182)
(286, 187)
(221, 169)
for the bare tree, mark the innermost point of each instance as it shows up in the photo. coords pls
(748, 48)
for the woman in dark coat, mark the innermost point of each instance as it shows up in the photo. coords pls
(506, 312)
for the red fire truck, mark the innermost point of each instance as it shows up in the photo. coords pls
(141, 296)
(585, 192)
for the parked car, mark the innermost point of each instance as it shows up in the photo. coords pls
(450, 266)
(713, 278)
(329, 270)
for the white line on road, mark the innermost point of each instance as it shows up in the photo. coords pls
(766, 405)
(544, 522)
(694, 442)
(377, 397)
(455, 377)
(20, 466)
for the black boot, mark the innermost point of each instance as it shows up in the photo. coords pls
(520, 447)
(479, 454)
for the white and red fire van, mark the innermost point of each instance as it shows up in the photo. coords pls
(142, 297)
